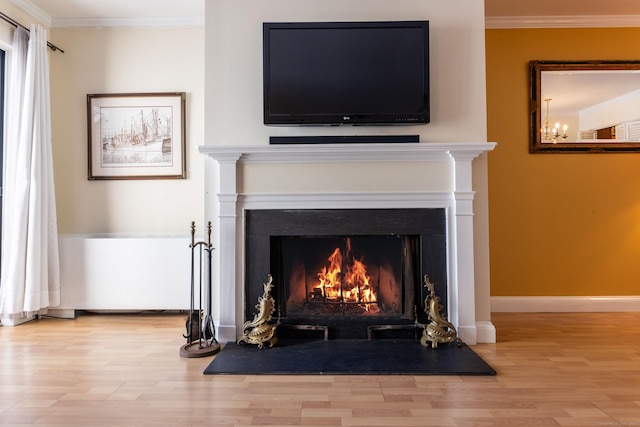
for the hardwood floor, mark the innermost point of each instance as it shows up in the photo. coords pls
(554, 369)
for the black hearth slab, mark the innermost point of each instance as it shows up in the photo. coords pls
(348, 357)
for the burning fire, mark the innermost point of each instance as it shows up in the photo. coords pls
(351, 286)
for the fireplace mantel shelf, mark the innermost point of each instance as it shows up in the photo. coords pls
(304, 153)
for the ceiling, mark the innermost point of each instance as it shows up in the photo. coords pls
(571, 92)
(77, 13)
(92, 13)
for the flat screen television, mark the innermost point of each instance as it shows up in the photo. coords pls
(336, 73)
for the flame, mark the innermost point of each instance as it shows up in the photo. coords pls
(352, 286)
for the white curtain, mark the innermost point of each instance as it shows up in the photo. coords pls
(30, 270)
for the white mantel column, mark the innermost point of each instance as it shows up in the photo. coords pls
(225, 289)
(463, 262)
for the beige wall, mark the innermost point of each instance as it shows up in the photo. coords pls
(234, 65)
(124, 244)
(116, 60)
(6, 29)
(560, 224)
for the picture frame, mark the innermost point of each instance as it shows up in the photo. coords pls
(584, 106)
(136, 136)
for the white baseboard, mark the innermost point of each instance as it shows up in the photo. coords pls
(486, 333)
(482, 333)
(61, 313)
(227, 334)
(468, 334)
(15, 321)
(568, 304)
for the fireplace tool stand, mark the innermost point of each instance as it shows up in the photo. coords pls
(201, 331)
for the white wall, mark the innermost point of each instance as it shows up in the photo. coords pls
(234, 65)
(611, 112)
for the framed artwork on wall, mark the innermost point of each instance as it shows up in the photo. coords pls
(136, 136)
(585, 106)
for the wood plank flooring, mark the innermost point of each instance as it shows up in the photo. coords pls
(554, 369)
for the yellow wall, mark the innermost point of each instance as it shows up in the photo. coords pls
(560, 224)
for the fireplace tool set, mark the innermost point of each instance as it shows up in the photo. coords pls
(201, 332)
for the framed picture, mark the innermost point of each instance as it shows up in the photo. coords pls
(136, 136)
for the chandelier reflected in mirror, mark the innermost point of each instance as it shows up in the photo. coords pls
(552, 134)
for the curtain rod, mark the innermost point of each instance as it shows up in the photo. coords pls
(16, 24)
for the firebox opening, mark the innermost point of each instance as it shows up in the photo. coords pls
(342, 275)
(346, 282)
(345, 271)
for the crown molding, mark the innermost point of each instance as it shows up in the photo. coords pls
(137, 22)
(34, 11)
(196, 21)
(562, 21)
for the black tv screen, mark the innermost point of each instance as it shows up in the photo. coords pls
(334, 73)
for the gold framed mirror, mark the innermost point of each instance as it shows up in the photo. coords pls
(584, 106)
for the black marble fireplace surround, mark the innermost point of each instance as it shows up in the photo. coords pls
(417, 243)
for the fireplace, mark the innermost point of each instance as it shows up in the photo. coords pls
(261, 197)
(346, 269)
(342, 276)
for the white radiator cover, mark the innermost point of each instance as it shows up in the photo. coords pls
(125, 273)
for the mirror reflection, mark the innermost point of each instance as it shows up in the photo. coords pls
(585, 106)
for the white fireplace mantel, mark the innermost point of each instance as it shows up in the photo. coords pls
(312, 153)
(226, 201)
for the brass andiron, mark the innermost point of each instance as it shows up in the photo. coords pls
(258, 331)
(439, 329)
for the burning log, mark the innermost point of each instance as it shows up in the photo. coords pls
(345, 280)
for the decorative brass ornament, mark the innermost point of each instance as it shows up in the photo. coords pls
(439, 329)
(258, 331)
